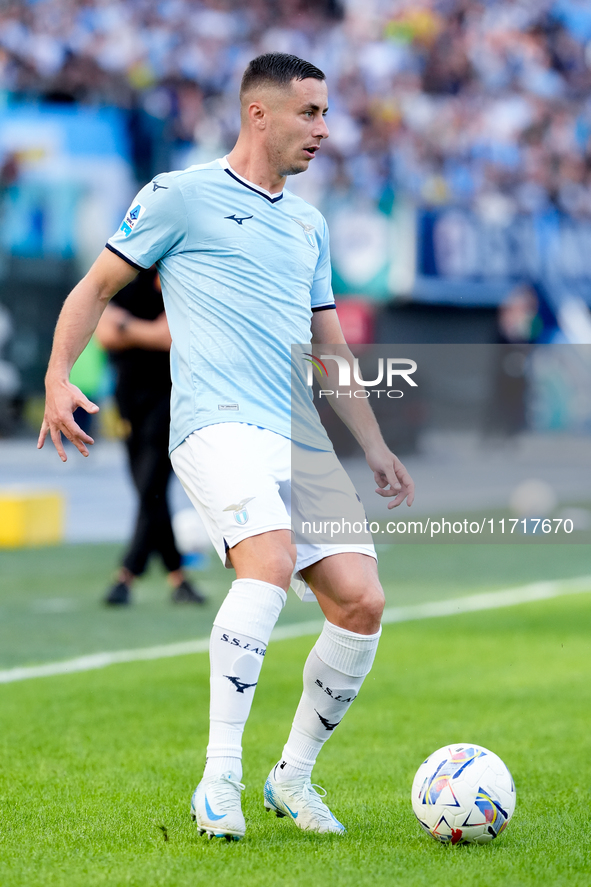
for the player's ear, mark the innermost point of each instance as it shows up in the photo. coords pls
(257, 114)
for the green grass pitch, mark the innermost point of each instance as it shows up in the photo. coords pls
(50, 597)
(98, 767)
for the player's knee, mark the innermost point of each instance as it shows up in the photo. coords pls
(268, 557)
(363, 611)
(275, 566)
(372, 607)
(279, 567)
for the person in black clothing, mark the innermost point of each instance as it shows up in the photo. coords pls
(134, 330)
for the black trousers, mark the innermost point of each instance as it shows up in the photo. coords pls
(147, 447)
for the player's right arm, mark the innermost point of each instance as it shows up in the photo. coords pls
(77, 321)
(154, 226)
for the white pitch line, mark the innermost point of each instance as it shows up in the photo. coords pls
(490, 600)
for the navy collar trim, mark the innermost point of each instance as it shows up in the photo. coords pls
(252, 187)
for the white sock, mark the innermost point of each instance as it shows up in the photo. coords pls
(333, 675)
(238, 643)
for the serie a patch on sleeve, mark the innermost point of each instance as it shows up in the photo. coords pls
(132, 217)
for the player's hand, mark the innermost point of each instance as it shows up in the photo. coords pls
(391, 476)
(62, 400)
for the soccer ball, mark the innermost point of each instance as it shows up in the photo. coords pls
(463, 794)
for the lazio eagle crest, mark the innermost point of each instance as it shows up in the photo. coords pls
(240, 513)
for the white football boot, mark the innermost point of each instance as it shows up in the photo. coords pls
(302, 802)
(215, 807)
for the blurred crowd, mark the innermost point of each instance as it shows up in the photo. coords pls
(482, 103)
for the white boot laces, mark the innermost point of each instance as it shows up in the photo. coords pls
(313, 794)
(227, 788)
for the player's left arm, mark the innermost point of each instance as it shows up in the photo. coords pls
(391, 476)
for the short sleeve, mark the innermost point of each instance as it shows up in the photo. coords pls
(154, 226)
(321, 292)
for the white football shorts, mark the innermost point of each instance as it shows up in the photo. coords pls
(238, 477)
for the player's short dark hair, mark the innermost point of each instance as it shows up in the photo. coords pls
(278, 68)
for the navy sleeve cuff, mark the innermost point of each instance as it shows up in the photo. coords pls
(125, 258)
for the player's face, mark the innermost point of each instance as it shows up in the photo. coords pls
(297, 126)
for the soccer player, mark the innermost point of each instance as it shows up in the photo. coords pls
(245, 272)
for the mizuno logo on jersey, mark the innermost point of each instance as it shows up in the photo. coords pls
(238, 219)
(156, 186)
(307, 229)
(132, 217)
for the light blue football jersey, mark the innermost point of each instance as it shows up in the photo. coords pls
(241, 271)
